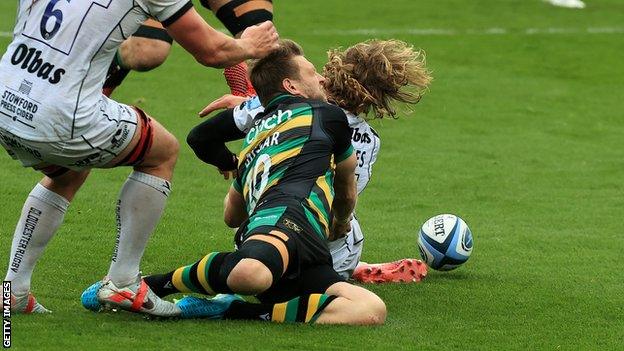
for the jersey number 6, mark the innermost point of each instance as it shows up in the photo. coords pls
(49, 13)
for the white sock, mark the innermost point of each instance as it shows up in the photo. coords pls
(139, 208)
(42, 214)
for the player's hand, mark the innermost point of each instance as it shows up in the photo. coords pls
(339, 229)
(229, 174)
(233, 173)
(226, 101)
(260, 40)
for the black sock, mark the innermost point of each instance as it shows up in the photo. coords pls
(161, 284)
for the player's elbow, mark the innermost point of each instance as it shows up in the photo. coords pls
(232, 218)
(207, 60)
(213, 59)
(231, 221)
(195, 139)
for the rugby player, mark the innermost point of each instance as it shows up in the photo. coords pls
(367, 77)
(55, 119)
(150, 45)
(295, 188)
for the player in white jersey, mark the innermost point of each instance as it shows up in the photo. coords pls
(54, 118)
(355, 82)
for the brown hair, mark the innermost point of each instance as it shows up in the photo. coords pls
(370, 75)
(267, 73)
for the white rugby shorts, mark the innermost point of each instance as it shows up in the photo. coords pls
(110, 133)
(346, 252)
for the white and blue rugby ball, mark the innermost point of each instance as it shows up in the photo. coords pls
(445, 242)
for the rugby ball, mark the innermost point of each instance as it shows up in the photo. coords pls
(445, 242)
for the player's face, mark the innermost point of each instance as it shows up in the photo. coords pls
(310, 82)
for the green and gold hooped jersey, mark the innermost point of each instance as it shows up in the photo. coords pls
(290, 153)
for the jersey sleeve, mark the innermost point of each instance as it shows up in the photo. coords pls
(336, 126)
(209, 137)
(237, 185)
(166, 11)
(246, 112)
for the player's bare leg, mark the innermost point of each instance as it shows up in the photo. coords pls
(145, 50)
(139, 208)
(342, 303)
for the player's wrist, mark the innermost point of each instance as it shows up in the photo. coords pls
(342, 220)
(248, 48)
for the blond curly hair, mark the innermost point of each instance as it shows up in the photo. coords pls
(372, 74)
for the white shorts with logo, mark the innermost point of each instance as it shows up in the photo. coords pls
(110, 133)
(346, 252)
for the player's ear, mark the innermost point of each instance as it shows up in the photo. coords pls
(291, 86)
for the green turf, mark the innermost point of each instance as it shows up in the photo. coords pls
(520, 134)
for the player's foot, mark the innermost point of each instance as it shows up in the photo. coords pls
(237, 79)
(137, 297)
(27, 304)
(201, 307)
(89, 298)
(402, 271)
(115, 75)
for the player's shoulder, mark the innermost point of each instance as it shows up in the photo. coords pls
(327, 111)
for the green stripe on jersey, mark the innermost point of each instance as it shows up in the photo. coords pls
(272, 151)
(329, 178)
(315, 224)
(314, 197)
(345, 155)
(268, 216)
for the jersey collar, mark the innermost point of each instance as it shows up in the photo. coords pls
(277, 100)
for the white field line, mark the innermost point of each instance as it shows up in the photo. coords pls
(454, 32)
(451, 32)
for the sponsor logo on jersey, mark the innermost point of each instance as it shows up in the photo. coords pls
(267, 123)
(362, 137)
(29, 60)
(291, 225)
(269, 141)
(18, 106)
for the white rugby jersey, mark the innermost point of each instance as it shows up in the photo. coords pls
(365, 140)
(52, 73)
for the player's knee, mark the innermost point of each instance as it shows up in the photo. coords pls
(173, 146)
(144, 54)
(153, 55)
(66, 185)
(372, 310)
(249, 276)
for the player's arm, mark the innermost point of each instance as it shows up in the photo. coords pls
(234, 212)
(209, 137)
(345, 186)
(213, 48)
(345, 198)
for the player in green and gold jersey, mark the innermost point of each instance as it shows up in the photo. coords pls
(295, 189)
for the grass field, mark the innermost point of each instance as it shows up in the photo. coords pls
(521, 135)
